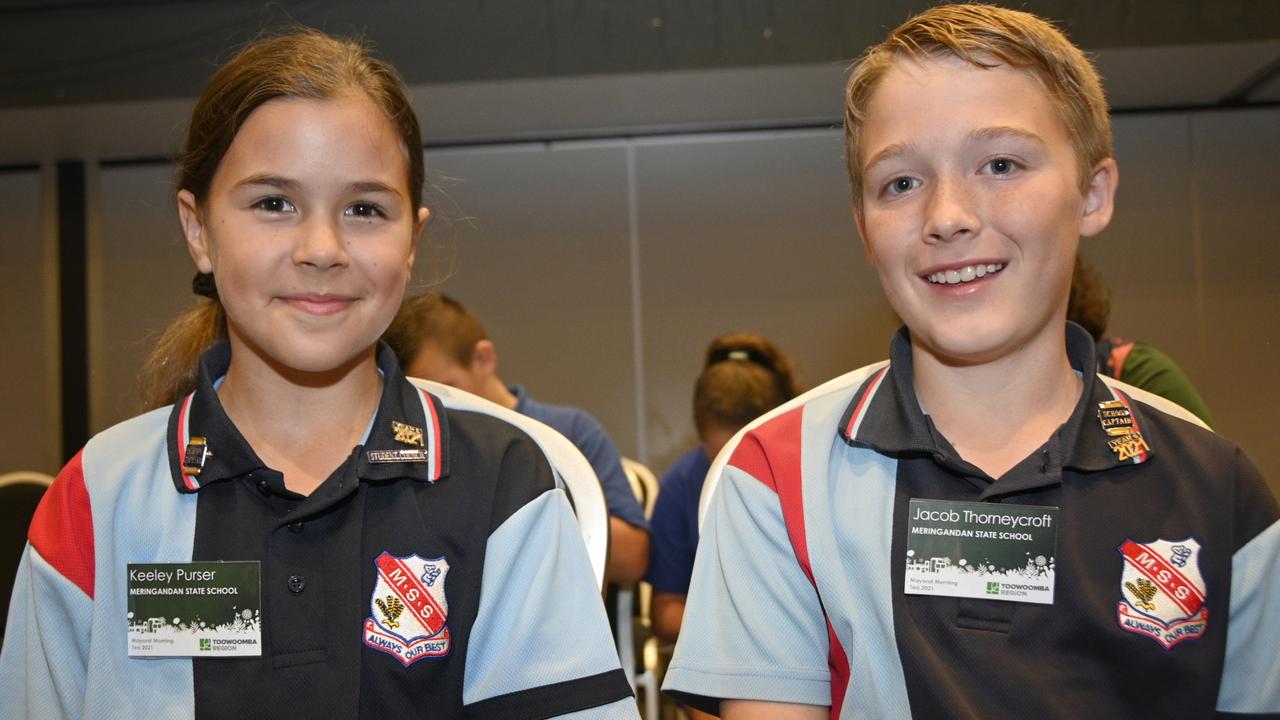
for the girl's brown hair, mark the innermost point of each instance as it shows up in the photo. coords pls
(302, 64)
(744, 376)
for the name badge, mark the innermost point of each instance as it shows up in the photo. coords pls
(990, 551)
(197, 609)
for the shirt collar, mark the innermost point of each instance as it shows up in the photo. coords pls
(522, 397)
(885, 414)
(407, 439)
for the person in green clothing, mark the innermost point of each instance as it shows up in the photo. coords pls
(1136, 363)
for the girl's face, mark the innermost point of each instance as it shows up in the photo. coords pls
(309, 230)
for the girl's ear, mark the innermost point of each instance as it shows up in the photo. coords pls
(419, 225)
(1100, 198)
(193, 229)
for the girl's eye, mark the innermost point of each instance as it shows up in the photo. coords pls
(1001, 166)
(274, 204)
(365, 210)
(900, 185)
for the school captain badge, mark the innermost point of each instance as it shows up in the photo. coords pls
(408, 610)
(1162, 592)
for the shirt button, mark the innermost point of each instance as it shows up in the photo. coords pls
(295, 527)
(263, 487)
(297, 584)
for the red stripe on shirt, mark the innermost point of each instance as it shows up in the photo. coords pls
(856, 419)
(182, 440)
(62, 527)
(780, 469)
(435, 434)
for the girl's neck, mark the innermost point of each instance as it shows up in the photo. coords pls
(995, 414)
(302, 424)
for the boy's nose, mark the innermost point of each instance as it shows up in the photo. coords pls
(320, 245)
(950, 213)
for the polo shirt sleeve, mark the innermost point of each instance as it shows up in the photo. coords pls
(540, 646)
(591, 438)
(753, 627)
(46, 643)
(1251, 670)
(672, 545)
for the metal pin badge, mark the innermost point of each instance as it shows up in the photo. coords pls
(194, 457)
(378, 457)
(1117, 421)
(407, 434)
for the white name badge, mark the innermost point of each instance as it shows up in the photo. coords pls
(198, 609)
(990, 551)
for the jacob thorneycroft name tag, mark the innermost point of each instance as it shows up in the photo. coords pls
(199, 609)
(981, 550)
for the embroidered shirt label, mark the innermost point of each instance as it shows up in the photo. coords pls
(991, 551)
(197, 609)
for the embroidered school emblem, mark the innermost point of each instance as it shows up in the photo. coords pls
(1161, 591)
(408, 609)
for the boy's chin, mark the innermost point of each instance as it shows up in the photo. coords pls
(967, 347)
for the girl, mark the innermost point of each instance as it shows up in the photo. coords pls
(302, 532)
(744, 376)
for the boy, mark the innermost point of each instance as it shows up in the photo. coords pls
(982, 527)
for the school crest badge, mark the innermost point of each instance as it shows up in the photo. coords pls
(1161, 591)
(409, 610)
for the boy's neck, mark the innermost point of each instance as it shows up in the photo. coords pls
(996, 414)
(303, 425)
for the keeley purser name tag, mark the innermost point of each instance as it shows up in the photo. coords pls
(197, 609)
(981, 550)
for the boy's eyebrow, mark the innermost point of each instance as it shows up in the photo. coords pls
(1005, 131)
(888, 153)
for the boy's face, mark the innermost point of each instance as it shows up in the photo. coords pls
(972, 207)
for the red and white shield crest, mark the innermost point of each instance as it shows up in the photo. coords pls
(1161, 591)
(408, 608)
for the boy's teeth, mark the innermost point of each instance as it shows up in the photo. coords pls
(965, 274)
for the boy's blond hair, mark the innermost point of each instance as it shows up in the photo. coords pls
(987, 36)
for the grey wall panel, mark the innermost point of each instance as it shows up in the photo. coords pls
(538, 240)
(139, 280)
(748, 233)
(1236, 174)
(30, 435)
(1148, 256)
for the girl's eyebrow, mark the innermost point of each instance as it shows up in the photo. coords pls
(372, 186)
(275, 181)
(284, 183)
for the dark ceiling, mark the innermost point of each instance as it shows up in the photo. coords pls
(85, 51)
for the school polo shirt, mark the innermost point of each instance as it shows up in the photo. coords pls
(524, 632)
(797, 594)
(674, 527)
(589, 436)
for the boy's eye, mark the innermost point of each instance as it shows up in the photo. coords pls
(365, 210)
(900, 185)
(274, 204)
(1001, 166)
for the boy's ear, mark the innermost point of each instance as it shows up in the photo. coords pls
(193, 231)
(1100, 198)
(484, 358)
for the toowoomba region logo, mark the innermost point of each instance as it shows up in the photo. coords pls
(408, 608)
(1162, 592)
